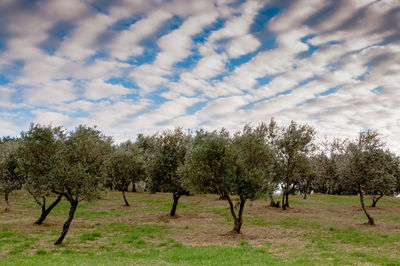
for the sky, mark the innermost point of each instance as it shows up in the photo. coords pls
(142, 66)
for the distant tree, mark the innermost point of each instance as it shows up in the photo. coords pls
(385, 178)
(291, 144)
(168, 154)
(396, 173)
(327, 162)
(80, 178)
(305, 175)
(40, 157)
(124, 166)
(9, 178)
(366, 168)
(148, 146)
(235, 168)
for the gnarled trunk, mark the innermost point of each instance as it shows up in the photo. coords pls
(72, 209)
(125, 200)
(176, 197)
(7, 202)
(375, 199)
(237, 219)
(285, 196)
(370, 219)
(287, 200)
(272, 201)
(45, 211)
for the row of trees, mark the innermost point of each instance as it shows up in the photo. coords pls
(252, 163)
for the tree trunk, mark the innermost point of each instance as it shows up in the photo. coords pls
(232, 209)
(305, 194)
(125, 200)
(287, 199)
(45, 211)
(271, 197)
(283, 200)
(238, 222)
(133, 187)
(7, 202)
(375, 199)
(236, 219)
(176, 197)
(370, 219)
(74, 205)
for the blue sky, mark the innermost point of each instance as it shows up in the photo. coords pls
(132, 66)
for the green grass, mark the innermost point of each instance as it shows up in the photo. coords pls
(321, 230)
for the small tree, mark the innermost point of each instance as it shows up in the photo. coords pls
(148, 146)
(9, 178)
(385, 178)
(305, 175)
(124, 166)
(366, 167)
(396, 173)
(291, 144)
(81, 177)
(327, 164)
(40, 158)
(167, 155)
(235, 166)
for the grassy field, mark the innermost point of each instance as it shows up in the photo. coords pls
(320, 230)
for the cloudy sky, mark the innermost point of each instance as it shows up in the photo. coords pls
(131, 66)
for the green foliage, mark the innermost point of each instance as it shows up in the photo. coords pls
(41, 157)
(9, 178)
(292, 145)
(368, 166)
(254, 161)
(168, 154)
(327, 164)
(124, 166)
(164, 158)
(81, 177)
(240, 165)
(209, 162)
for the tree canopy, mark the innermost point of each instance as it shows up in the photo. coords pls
(167, 155)
(237, 168)
(9, 177)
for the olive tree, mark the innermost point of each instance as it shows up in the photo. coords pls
(234, 167)
(81, 176)
(124, 166)
(148, 146)
(40, 158)
(167, 155)
(366, 167)
(9, 178)
(291, 144)
(327, 163)
(305, 175)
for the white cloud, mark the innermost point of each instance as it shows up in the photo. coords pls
(353, 46)
(51, 93)
(98, 89)
(82, 43)
(126, 43)
(6, 93)
(242, 45)
(45, 117)
(176, 45)
(210, 66)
